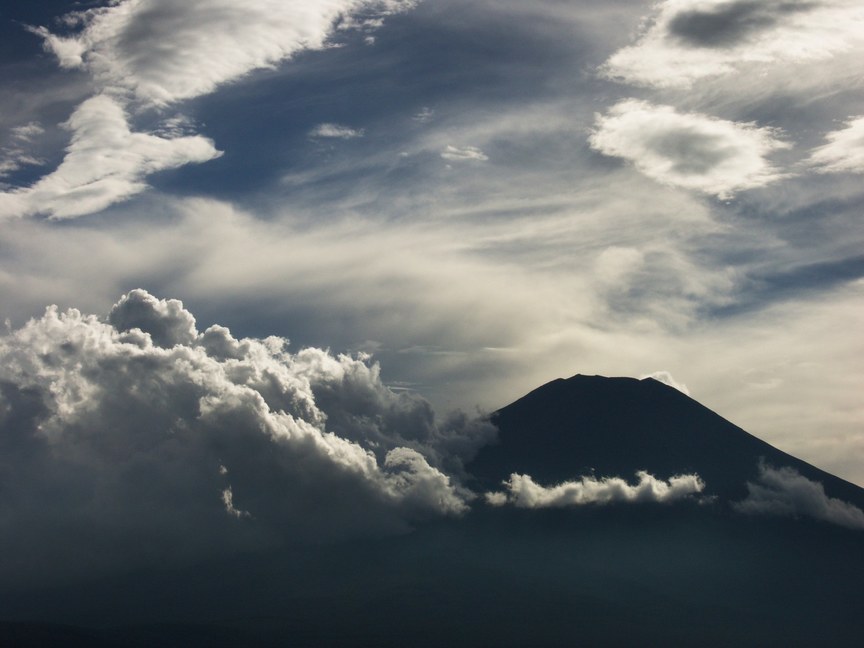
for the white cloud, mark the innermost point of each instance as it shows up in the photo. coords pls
(844, 152)
(105, 162)
(143, 426)
(785, 492)
(522, 491)
(15, 155)
(687, 40)
(461, 153)
(666, 378)
(688, 150)
(154, 53)
(337, 131)
(165, 51)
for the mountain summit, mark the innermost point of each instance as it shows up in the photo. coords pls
(593, 425)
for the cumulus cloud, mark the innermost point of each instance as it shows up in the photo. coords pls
(105, 162)
(522, 491)
(141, 439)
(337, 131)
(164, 51)
(666, 378)
(688, 150)
(844, 152)
(690, 39)
(462, 153)
(786, 492)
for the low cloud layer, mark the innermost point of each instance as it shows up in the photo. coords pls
(785, 492)
(139, 440)
(688, 150)
(105, 162)
(523, 492)
(689, 40)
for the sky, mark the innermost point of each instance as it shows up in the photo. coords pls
(451, 202)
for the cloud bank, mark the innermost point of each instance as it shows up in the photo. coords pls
(139, 440)
(785, 492)
(688, 150)
(692, 39)
(523, 492)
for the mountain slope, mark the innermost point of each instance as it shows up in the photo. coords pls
(616, 426)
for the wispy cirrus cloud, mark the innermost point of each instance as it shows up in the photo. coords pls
(163, 51)
(463, 153)
(844, 152)
(336, 131)
(153, 53)
(105, 162)
(688, 150)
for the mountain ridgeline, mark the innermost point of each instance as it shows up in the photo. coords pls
(617, 426)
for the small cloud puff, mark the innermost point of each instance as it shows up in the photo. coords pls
(691, 39)
(142, 431)
(844, 152)
(463, 153)
(337, 131)
(523, 492)
(785, 492)
(666, 378)
(687, 150)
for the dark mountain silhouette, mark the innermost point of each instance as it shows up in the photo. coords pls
(616, 426)
(679, 574)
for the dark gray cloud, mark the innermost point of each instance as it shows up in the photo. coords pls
(731, 23)
(785, 492)
(140, 441)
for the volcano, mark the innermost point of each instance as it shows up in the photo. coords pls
(617, 426)
(703, 570)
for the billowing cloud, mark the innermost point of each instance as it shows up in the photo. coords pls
(164, 51)
(786, 492)
(522, 491)
(688, 150)
(462, 153)
(105, 162)
(844, 152)
(691, 39)
(337, 131)
(139, 439)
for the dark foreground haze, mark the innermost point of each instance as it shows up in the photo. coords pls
(775, 563)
